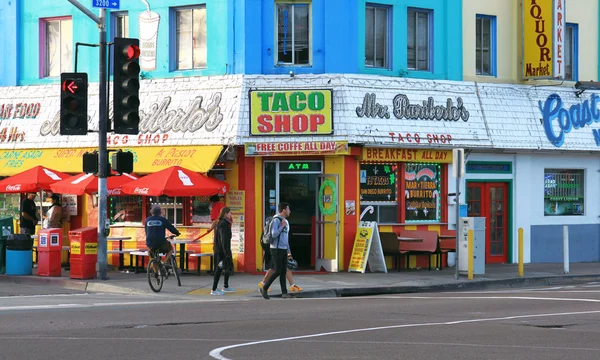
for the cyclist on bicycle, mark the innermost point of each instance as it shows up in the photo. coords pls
(155, 233)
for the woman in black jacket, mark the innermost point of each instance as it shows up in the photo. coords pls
(222, 251)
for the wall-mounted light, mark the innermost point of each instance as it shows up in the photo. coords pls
(587, 85)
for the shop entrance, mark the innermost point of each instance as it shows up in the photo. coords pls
(490, 200)
(295, 182)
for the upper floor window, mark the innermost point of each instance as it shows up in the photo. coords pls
(293, 34)
(57, 53)
(571, 50)
(190, 38)
(120, 24)
(485, 44)
(377, 30)
(419, 39)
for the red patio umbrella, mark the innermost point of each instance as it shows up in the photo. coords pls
(175, 181)
(32, 180)
(88, 184)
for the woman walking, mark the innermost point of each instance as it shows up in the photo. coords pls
(222, 251)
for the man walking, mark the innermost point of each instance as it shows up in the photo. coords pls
(280, 230)
(29, 217)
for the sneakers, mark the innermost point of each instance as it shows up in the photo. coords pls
(217, 293)
(294, 288)
(260, 285)
(227, 290)
(263, 292)
(286, 296)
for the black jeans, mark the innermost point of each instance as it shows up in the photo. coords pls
(218, 258)
(279, 258)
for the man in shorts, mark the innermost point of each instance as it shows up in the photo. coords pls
(155, 233)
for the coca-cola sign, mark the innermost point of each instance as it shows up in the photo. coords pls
(16, 187)
(141, 191)
(114, 192)
(161, 119)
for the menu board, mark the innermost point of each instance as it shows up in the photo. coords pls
(235, 201)
(422, 192)
(378, 182)
(367, 249)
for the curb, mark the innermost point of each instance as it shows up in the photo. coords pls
(512, 283)
(80, 285)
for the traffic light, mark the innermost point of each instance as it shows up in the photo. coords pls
(122, 162)
(90, 162)
(126, 99)
(73, 103)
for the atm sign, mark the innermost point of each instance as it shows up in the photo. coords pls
(296, 112)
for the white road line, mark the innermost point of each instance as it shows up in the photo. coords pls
(38, 296)
(489, 297)
(216, 353)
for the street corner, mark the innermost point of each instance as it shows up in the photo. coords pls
(206, 291)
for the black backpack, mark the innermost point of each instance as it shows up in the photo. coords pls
(266, 239)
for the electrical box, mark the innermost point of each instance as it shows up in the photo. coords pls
(477, 224)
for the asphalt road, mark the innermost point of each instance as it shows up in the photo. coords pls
(558, 323)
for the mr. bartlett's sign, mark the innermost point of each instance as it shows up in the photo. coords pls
(574, 118)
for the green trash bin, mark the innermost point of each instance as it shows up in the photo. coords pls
(6, 229)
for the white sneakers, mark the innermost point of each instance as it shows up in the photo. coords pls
(222, 292)
(228, 290)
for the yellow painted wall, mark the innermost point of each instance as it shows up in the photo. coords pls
(258, 208)
(509, 39)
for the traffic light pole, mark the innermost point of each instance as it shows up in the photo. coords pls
(103, 226)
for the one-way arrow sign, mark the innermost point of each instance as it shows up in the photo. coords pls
(106, 4)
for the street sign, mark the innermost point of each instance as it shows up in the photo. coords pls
(106, 4)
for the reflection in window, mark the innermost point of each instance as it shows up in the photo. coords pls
(378, 189)
(200, 206)
(484, 47)
(125, 209)
(58, 46)
(422, 196)
(419, 24)
(10, 205)
(190, 33)
(571, 56)
(376, 38)
(563, 192)
(172, 207)
(293, 34)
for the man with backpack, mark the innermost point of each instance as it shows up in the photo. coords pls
(278, 237)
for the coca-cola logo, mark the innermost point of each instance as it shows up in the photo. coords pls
(161, 119)
(16, 187)
(114, 192)
(141, 191)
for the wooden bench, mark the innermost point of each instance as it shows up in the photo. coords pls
(390, 247)
(429, 245)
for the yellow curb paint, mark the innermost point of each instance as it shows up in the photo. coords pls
(207, 292)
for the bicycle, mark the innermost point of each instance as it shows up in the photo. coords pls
(158, 271)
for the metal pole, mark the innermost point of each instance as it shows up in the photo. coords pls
(521, 257)
(566, 248)
(103, 227)
(457, 218)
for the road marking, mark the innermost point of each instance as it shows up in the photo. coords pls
(38, 296)
(216, 353)
(489, 297)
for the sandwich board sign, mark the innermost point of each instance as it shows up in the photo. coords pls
(367, 249)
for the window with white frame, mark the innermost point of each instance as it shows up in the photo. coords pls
(190, 36)
(121, 24)
(484, 45)
(419, 39)
(571, 56)
(293, 33)
(58, 46)
(377, 30)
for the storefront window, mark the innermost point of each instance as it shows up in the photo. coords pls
(563, 192)
(379, 190)
(172, 207)
(200, 209)
(10, 205)
(422, 192)
(125, 209)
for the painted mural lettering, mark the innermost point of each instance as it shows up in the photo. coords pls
(162, 119)
(576, 117)
(11, 134)
(403, 109)
(19, 111)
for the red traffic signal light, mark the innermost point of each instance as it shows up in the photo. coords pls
(73, 104)
(126, 101)
(131, 52)
(70, 85)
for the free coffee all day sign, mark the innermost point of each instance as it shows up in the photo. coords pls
(294, 112)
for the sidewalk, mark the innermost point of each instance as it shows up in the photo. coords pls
(334, 284)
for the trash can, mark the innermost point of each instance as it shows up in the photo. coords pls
(84, 252)
(6, 228)
(19, 254)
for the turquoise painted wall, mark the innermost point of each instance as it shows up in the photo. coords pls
(219, 18)
(8, 44)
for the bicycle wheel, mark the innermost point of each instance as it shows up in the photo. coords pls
(155, 275)
(175, 269)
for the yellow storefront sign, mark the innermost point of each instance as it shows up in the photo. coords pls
(91, 249)
(538, 45)
(297, 148)
(360, 251)
(406, 155)
(296, 112)
(75, 248)
(146, 159)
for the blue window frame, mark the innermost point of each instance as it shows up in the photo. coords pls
(420, 39)
(485, 45)
(571, 52)
(378, 36)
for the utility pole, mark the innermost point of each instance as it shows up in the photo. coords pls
(103, 226)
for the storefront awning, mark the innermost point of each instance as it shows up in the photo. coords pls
(146, 159)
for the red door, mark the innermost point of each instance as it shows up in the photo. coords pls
(490, 200)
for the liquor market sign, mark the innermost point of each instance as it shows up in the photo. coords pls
(297, 112)
(402, 109)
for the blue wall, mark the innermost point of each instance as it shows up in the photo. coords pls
(8, 43)
(219, 23)
(547, 243)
